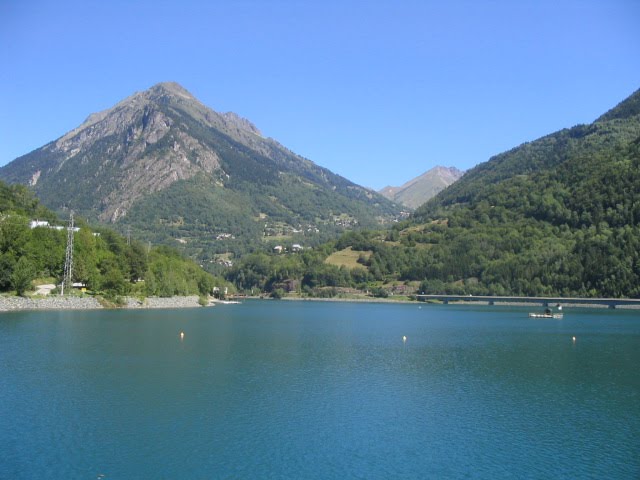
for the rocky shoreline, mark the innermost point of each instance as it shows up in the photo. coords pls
(190, 301)
(55, 302)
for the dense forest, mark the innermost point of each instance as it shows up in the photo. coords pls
(103, 261)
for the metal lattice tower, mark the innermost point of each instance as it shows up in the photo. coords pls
(68, 262)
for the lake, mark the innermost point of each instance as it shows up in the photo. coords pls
(320, 390)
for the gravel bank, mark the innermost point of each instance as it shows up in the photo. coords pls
(160, 302)
(54, 302)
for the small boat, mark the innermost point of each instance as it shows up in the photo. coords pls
(224, 302)
(547, 314)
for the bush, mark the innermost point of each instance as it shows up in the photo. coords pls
(326, 292)
(379, 292)
(7, 264)
(22, 275)
(278, 293)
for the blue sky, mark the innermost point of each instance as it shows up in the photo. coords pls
(377, 91)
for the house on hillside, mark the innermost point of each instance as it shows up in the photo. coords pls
(38, 223)
(45, 224)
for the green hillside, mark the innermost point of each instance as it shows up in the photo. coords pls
(103, 260)
(556, 216)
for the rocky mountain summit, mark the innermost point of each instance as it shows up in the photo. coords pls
(130, 150)
(160, 160)
(417, 191)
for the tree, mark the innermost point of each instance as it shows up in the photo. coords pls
(7, 264)
(22, 275)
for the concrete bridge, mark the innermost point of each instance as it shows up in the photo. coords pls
(544, 301)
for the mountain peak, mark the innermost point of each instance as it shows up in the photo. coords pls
(418, 190)
(169, 88)
(174, 93)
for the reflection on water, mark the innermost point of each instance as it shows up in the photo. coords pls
(319, 390)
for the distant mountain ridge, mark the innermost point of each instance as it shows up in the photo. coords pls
(173, 169)
(418, 190)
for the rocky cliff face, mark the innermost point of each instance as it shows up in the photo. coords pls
(420, 189)
(135, 148)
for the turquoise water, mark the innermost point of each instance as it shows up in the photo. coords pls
(319, 390)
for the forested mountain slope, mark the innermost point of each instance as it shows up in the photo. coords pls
(556, 216)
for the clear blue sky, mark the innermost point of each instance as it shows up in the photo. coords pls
(378, 91)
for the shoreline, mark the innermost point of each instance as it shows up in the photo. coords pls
(14, 303)
(53, 302)
(56, 302)
(351, 300)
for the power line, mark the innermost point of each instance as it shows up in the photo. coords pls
(68, 262)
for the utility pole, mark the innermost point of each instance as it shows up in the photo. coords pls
(68, 262)
(129, 235)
